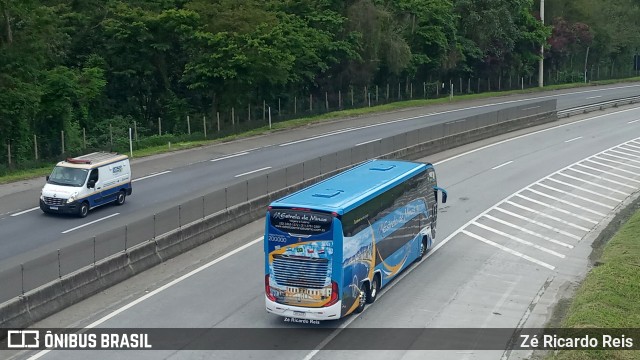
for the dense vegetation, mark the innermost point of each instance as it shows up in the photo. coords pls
(99, 65)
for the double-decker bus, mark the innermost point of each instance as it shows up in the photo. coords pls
(330, 248)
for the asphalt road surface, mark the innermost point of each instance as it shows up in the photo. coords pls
(517, 229)
(26, 233)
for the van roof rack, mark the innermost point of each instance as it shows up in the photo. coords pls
(92, 158)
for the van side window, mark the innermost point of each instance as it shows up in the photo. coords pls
(94, 175)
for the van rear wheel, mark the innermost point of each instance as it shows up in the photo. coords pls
(121, 198)
(83, 210)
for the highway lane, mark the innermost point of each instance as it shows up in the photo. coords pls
(546, 189)
(154, 194)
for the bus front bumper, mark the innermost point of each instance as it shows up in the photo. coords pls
(324, 313)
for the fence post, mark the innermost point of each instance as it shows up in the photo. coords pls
(110, 135)
(84, 138)
(460, 85)
(351, 96)
(204, 125)
(295, 105)
(364, 98)
(469, 85)
(9, 152)
(326, 100)
(399, 90)
(522, 82)
(62, 137)
(424, 89)
(35, 145)
(159, 126)
(233, 117)
(387, 92)
(188, 125)
(249, 112)
(410, 90)
(269, 117)
(340, 99)
(279, 112)
(218, 119)
(310, 103)
(264, 110)
(135, 130)
(376, 94)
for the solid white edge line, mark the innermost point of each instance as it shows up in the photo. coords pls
(89, 223)
(253, 171)
(229, 156)
(158, 290)
(25, 211)
(634, 121)
(150, 176)
(574, 139)
(367, 142)
(593, 97)
(501, 165)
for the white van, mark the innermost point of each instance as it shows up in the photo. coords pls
(79, 184)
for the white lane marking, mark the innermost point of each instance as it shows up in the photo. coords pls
(633, 121)
(529, 108)
(150, 176)
(569, 203)
(89, 223)
(574, 139)
(229, 156)
(366, 142)
(501, 165)
(612, 167)
(253, 171)
(525, 230)
(609, 172)
(158, 290)
(529, 134)
(590, 183)
(510, 251)
(601, 177)
(26, 211)
(517, 239)
(556, 208)
(633, 151)
(559, 231)
(332, 133)
(593, 97)
(615, 161)
(543, 214)
(576, 196)
(621, 157)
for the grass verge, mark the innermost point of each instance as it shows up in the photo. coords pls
(609, 297)
(42, 171)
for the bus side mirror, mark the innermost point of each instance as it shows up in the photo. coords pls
(91, 184)
(444, 193)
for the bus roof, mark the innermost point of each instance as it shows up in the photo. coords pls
(349, 189)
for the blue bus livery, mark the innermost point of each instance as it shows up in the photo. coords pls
(330, 247)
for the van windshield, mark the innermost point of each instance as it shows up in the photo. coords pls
(67, 176)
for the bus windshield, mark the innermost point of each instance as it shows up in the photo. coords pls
(67, 176)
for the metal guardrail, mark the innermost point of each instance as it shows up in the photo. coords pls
(598, 106)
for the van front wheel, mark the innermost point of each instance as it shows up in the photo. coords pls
(121, 198)
(83, 210)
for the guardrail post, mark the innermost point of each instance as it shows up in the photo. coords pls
(203, 208)
(126, 236)
(22, 277)
(154, 227)
(94, 250)
(180, 217)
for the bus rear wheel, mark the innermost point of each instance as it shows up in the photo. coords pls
(372, 290)
(424, 247)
